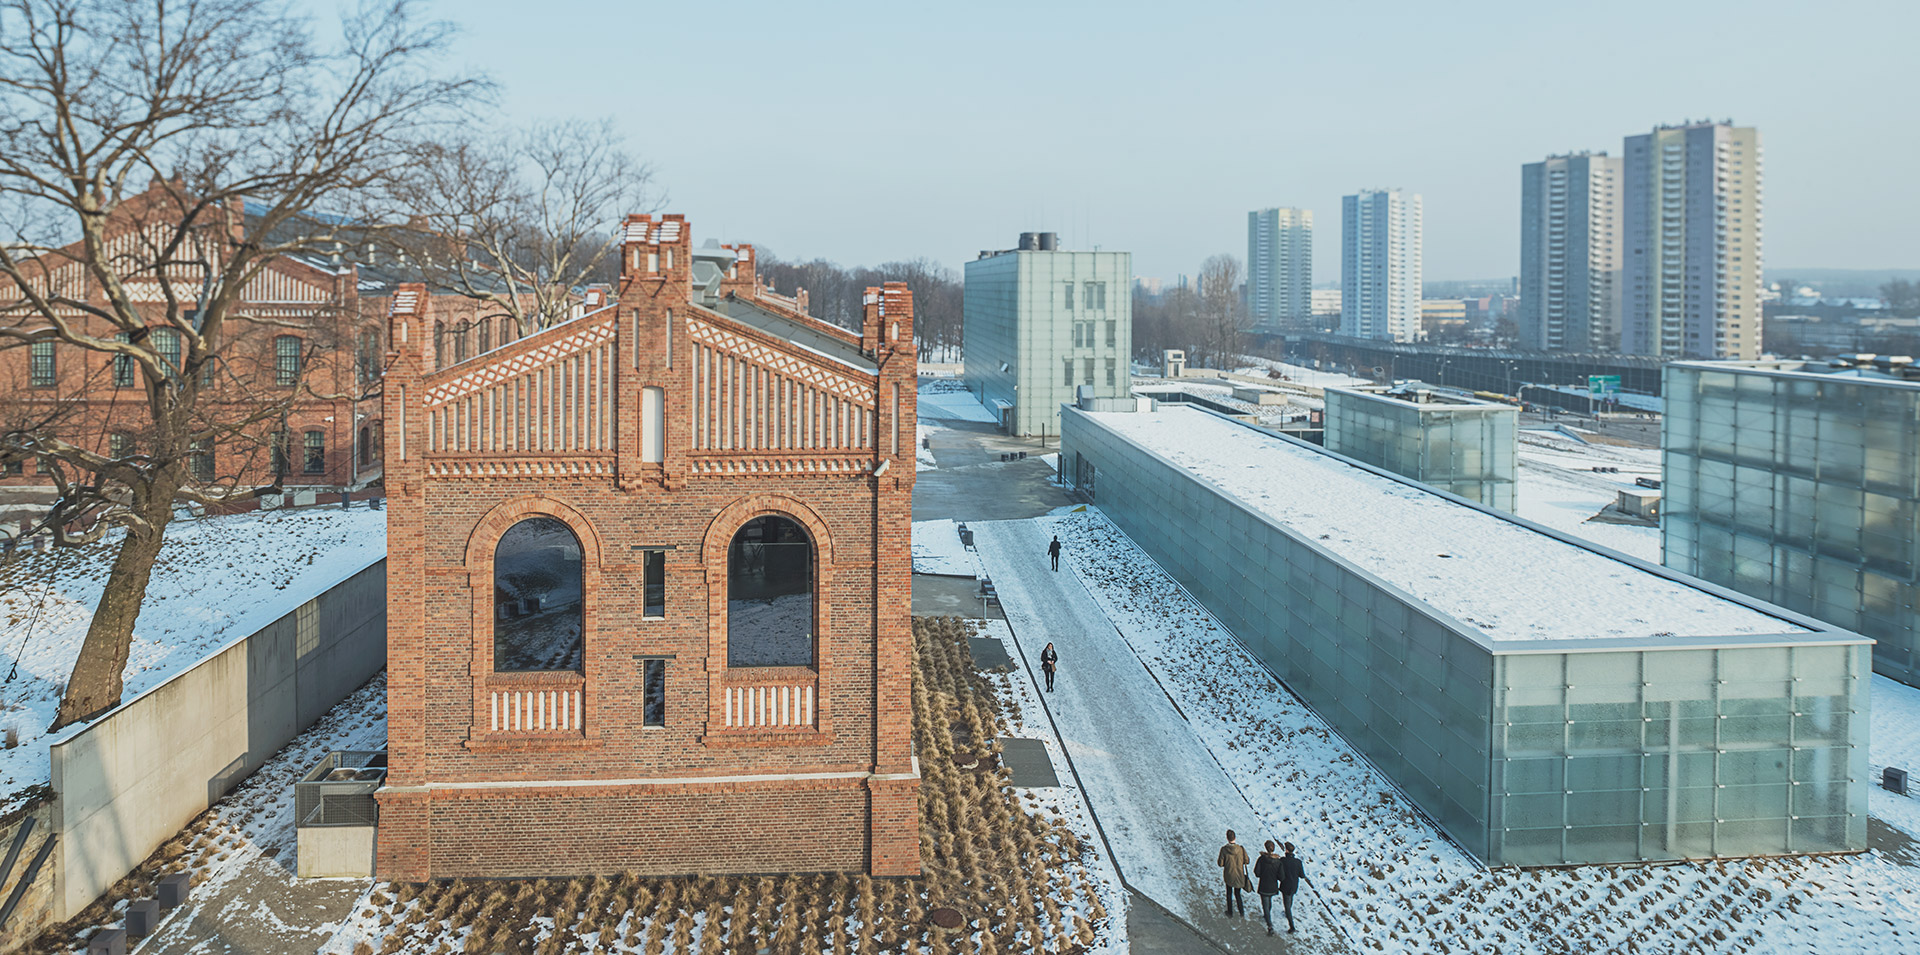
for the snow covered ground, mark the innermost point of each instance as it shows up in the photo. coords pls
(1026, 718)
(949, 398)
(217, 579)
(1559, 488)
(937, 550)
(1299, 374)
(1386, 878)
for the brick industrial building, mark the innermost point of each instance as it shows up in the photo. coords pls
(306, 335)
(648, 584)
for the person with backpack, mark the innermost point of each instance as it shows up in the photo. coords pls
(1267, 870)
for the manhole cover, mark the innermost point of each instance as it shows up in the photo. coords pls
(946, 918)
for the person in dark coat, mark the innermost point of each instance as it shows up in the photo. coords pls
(1267, 870)
(1049, 659)
(1053, 551)
(1233, 868)
(1292, 873)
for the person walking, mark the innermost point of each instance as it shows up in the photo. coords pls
(1053, 551)
(1233, 868)
(1267, 870)
(1049, 659)
(1292, 873)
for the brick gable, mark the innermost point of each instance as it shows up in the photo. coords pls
(659, 425)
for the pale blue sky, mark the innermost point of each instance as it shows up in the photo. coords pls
(862, 132)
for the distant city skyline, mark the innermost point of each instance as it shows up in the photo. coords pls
(853, 135)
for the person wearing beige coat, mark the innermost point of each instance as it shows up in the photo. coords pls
(1233, 868)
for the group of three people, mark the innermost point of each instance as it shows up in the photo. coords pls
(1277, 874)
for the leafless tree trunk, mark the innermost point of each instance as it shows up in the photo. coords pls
(519, 222)
(1222, 311)
(155, 157)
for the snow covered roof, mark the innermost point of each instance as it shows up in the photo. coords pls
(1508, 579)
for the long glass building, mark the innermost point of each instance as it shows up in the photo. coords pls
(1455, 444)
(1544, 700)
(1799, 483)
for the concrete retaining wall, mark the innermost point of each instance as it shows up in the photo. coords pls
(138, 775)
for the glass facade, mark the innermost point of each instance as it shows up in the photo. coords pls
(1463, 447)
(1525, 753)
(1800, 488)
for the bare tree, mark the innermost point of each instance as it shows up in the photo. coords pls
(1222, 313)
(155, 157)
(519, 222)
(834, 295)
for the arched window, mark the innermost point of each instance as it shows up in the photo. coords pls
(537, 624)
(770, 595)
(439, 344)
(365, 456)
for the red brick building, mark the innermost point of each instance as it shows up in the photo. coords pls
(648, 584)
(313, 331)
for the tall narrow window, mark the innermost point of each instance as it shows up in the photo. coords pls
(364, 450)
(653, 689)
(460, 334)
(200, 462)
(1076, 334)
(369, 357)
(1069, 288)
(1111, 371)
(315, 460)
(654, 583)
(1067, 379)
(122, 365)
(42, 369)
(537, 592)
(1090, 299)
(439, 345)
(770, 595)
(486, 336)
(166, 344)
(653, 425)
(119, 444)
(1113, 333)
(286, 360)
(1086, 370)
(1099, 295)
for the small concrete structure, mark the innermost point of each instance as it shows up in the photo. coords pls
(335, 815)
(1640, 503)
(1259, 396)
(336, 852)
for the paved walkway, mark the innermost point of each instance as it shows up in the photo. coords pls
(1160, 797)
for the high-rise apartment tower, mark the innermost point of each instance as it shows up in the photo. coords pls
(1570, 253)
(1380, 265)
(1280, 268)
(1690, 230)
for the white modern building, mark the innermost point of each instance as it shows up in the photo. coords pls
(1690, 230)
(1280, 268)
(1570, 253)
(1041, 322)
(1380, 265)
